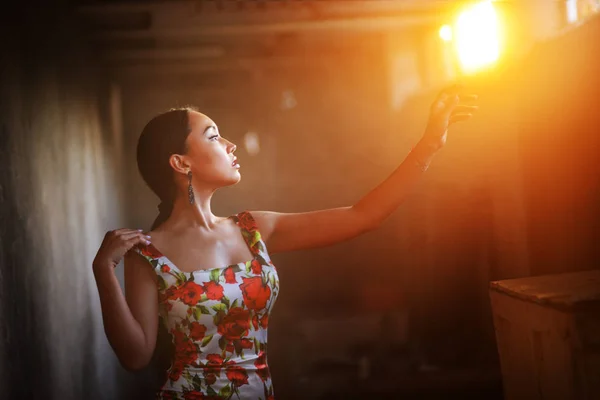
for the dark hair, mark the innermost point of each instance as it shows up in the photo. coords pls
(163, 136)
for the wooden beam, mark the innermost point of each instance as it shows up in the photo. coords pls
(353, 24)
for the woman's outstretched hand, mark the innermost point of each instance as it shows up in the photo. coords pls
(115, 244)
(449, 107)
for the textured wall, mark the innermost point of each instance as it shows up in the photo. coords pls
(60, 191)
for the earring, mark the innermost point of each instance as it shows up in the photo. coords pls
(190, 188)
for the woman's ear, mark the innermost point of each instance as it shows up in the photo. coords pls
(179, 164)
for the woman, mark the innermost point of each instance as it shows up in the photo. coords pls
(216, 283)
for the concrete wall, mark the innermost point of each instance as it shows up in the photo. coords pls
(60, 190)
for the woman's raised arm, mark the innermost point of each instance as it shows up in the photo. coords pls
(294, 231)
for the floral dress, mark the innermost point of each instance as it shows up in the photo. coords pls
(218, 319)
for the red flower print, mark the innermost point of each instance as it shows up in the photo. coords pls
(255, 293)
(171, 293)
(190, 293)
(246, 344)
(210, 379)
(235, 324)
(168, 395)
(197, 331)
(175, 371)
(237, 375)
(150, 251)
(185, 350)
(212, 368)
(262, 370)
(229, 348)
(213, 290)
(264, 320)
(165, 268)
(255, 322)
(193, 395)
(247, 222)
(229, 275)
(215, 359)
(256, 267)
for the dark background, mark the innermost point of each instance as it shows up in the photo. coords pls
(514, 194)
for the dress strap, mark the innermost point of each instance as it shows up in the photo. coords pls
(150, 253)
(250, 232)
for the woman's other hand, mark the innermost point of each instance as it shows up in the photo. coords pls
(116, 244)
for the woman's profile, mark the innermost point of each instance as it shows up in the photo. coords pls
(208, 282)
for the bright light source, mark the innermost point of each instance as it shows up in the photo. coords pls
(477, 36)
(572, 10)
(446, 33)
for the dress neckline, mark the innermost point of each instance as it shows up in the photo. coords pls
(174, 266)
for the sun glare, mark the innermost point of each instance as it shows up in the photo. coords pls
(446, 33)
(477, 36)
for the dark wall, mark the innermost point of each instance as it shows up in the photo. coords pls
(60, 189)
(560, 126)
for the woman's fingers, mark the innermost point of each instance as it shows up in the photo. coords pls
(127, 236)
(459, 117)
(468, 97)
(464, 109)
(125, 230)
(136, 241)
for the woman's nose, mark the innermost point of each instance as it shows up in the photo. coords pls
(232, 147)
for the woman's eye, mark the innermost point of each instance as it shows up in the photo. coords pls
(213, 137)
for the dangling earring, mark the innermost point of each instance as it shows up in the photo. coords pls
(190, 189)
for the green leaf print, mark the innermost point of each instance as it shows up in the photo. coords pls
(225, 301)
(218, 317)
(248, 266)
(197, 313)
(162, 284)
(220, 307)
(210, 391)
(214, 275)
(262, 260)
(256, 346)
(203, 310)
(180, 278)
(206, 340)
(222, 343)
(154, 263)
(272, 280)
(197, 382)
(225, 391)
(234, 304)
(260, 247)
(254, 238)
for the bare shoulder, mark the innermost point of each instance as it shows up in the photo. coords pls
(265, 222)
(137, 266)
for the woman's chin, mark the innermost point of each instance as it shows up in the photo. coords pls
(237, 178)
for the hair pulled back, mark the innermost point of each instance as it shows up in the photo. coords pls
(163, 136)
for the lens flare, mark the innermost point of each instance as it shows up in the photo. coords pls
(477, 36)
(446, 33)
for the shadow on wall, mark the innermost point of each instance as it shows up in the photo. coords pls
(60, 188)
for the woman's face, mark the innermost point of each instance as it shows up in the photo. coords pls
(209, 154)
